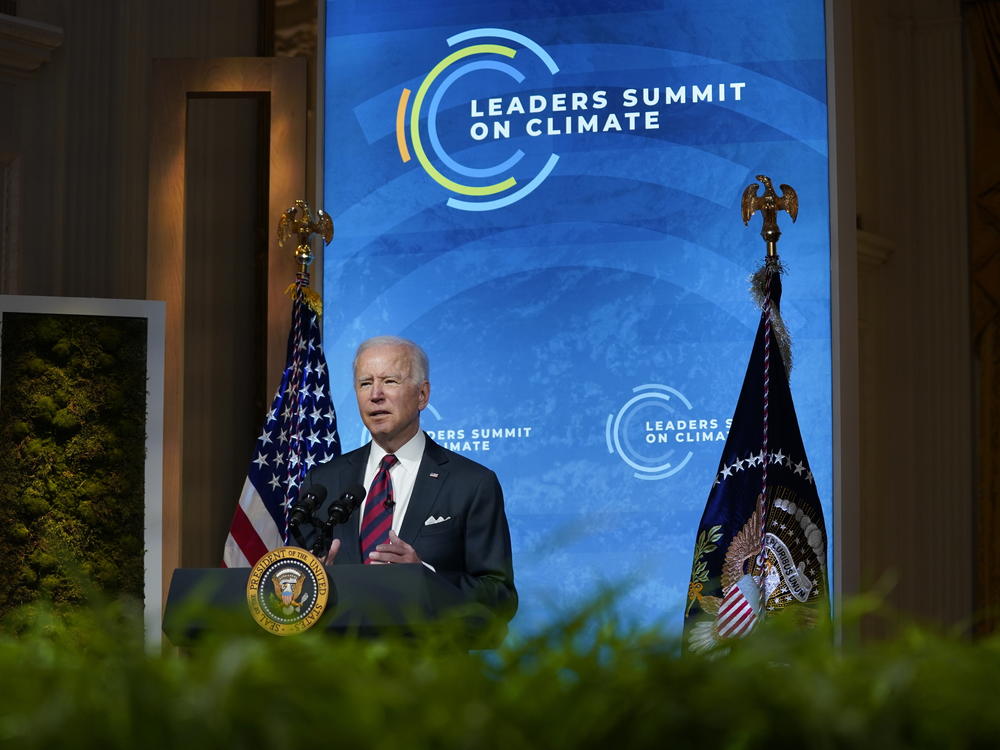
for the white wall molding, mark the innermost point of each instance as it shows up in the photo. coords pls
(26, 45)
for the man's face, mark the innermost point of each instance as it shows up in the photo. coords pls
(388, 400)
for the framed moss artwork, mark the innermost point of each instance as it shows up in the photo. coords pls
(81, 449)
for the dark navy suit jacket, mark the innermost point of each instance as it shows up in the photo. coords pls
(471, 549)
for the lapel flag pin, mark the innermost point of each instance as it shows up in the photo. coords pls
(434, 475)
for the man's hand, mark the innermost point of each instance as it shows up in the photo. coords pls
(396, 551)
(334, 549)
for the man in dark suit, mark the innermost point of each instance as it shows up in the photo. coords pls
(424, 504)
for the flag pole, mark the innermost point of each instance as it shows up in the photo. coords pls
(767, 290)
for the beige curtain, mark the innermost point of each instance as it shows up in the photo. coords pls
(982, 22)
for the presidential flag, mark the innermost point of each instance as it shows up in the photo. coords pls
(299, 431)
(761, 544)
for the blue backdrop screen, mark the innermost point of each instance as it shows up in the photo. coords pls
(546, 196)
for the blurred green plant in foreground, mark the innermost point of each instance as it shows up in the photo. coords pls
(85, 678)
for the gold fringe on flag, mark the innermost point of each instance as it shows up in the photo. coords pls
(309, 296)
(759, 284)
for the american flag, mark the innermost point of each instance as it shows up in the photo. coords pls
(299, 431)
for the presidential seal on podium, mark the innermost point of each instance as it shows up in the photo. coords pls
(287, 591)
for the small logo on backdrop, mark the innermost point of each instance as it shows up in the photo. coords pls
(287, 591)
(657, 431)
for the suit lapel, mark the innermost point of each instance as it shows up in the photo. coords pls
(431, 477)
(353, 472)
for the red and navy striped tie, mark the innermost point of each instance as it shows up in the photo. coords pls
(378, 509)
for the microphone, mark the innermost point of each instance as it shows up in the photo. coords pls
(339, 511)
(304, 507)
(341, 508)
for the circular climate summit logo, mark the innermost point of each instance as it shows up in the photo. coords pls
(287, 591)
(425, 116)
(640, 433)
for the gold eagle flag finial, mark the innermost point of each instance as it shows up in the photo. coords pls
(769, 204)
(762, 283)
(298, 222)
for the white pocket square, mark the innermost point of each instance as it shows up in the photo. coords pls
(431, 520)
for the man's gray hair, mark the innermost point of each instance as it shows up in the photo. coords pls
(420, 368)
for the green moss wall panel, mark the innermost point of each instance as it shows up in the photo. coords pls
(72, 443)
